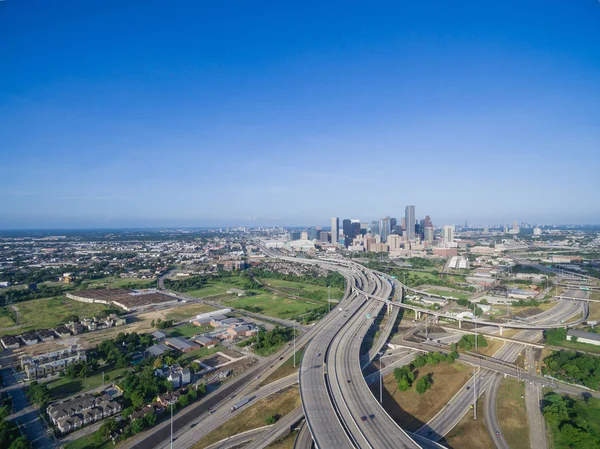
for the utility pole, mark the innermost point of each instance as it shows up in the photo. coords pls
(171, 403)
(380, 380)
(474, 394)
(476, 339)
(329, 297)
(294, 344)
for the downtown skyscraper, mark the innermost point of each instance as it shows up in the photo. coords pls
(409, 219)
(335, 229)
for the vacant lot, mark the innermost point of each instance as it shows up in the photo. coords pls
(50, 312)
(512, 416)
(189, 311)
(274, 305)
(411, 409)
(285, 443)
(5, 318)
(470, 433)
(452, 293)
(302, 289)
(115, 282)
(66, 387)
(254, 416)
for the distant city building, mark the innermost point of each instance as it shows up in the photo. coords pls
(486, 229)
(312, 233)
(374, 228)
(393, 223)
(295, 235)
(428, 237)
(355, 228)
(394, 241)
(448, 234)
(323, 236)
(385, 228)
(304, 235)
(537, 231)
(347, 231)
(335, 229)
(409, 216)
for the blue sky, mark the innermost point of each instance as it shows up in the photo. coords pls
(192, 113)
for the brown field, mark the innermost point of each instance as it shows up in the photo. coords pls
(285, 443)
(470, 433)
(280, 403)
(512, 416)
(411, 409)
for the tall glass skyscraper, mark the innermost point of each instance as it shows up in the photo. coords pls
(409, 218)
(335, 229)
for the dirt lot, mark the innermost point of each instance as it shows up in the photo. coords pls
(411, 409)
(280, 404)
(470, 433)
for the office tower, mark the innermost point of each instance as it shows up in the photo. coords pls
(409, 215)
(355, 228)
(347, 228)
(304, 235)
(428, 234)
(335, 229)
(403, 223)
(374, 227)
(323, 236)
(313, 233)
(394, 241)
(448, 234)
(537, 231)
(384, 228)
(295, 235)
(466, 224)
(515, 227)
(364, 228)
(486, 229)
(427, 222)
(393, 223)
(506, 229)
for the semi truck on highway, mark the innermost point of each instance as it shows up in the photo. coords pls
(240, 404)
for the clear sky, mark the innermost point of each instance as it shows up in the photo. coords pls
(121, 113)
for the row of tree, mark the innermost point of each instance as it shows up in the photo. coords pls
(406, 375)
(574, 367)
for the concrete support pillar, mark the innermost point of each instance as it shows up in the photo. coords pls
(460, 324)
(501, 329)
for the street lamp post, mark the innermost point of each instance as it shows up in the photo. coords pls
(172, 403)
(294, 344)
(380, 381)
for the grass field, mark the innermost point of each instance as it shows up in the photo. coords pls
(285, 369)
(87, 442)
(187, 312)
(5, 318)
(469, 433)
(116, 282)
(187, 330)
(285, 443)
(491, 348)
(254, 416)
(577, 346)
(66, 387)
(50, 312)
(301, 289)
(512, 416)
(411, 409)
(274, 305)
(452, 293)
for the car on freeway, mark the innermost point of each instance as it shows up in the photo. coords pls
(364, 418)
(497, 433)
(349, 381)
(372, 416)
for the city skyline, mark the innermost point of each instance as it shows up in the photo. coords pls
(198, 115)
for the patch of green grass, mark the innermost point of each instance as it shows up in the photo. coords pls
(187, 330)
(188, 311)
(202, 352)
(212, 288)
(87, 442)
(64, 386)
(512, 416)
(48, 313)
(577, 346)
(116, 282)
(5, 318)
(272, 304)
(311, 291)
(452, 293)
